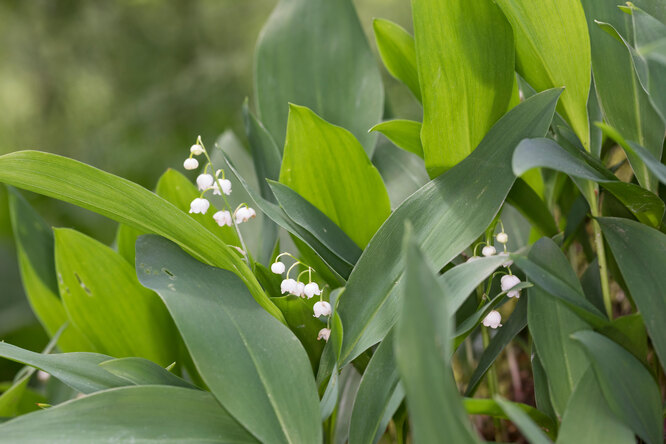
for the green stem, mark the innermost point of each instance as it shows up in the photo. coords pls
(592, 191)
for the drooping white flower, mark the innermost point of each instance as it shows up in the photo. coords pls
(321, 308)
(191, 163)
(288, 286)
(324, 334)
(204, 181)
(199, 205)
(196, 149)
(42, 376)
(226, 187)
(276, 267)
(502, 238)
(300, 289)
(312, 289)
(509, 281)
(223, 218)
(253, 213)
(488, 250)
(493, 319)
(244, 214)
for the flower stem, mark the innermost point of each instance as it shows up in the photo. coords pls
(592, 191)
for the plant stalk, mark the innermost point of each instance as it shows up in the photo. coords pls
(493, 386)
(592, 191)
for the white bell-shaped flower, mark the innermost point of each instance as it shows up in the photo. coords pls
(204, 181)
(276, 267)
(196, 149)
(488, 250)
(191, 163)
(324, 334)
(312, 289)
(300, 289)
(493, 319)
(502, 238)
(253, 213)
(509, 281)
(243, 214)
(223, 218)
(199, 205)
(321, 308)
(288, 286)
(226, 187)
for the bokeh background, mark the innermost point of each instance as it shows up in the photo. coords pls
(126, 86)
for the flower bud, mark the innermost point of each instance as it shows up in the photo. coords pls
(502, 238)
(488, 250)
(191, 163)
(196, 149)
(223, 218)
(204, 181)
(277, 267)
(493, 319)
(288, 286)
(199, 205)
(312, 289)
(322, 308)
(324, 334)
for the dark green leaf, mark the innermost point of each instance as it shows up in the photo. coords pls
(527, 426)
(139, 371)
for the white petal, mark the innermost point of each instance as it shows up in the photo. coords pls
(277, 267)
(312, 289)
(493, 319)
(488, 250)
(196, 149)
(502, 238)
(199, 205)
(191, 164)
(223, 218)
(509, 281)
(204, 181)
(321, 308)
(324, 334)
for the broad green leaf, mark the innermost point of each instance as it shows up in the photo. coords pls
(314, 53)
(640, 253)
(588, 418)
(541, 390)
(422, 352)
(516, 323)
(403, 172)
(631, 392)
(532, 207)
(397, 50)
(461, 280)
(551, 323)
(256, 385)
(405, 134)
(553, 50)
(131, 414)
(309, 217)
(350, 379)
(528, 428)
(326, 165)
(465, 59)
(491, 407)
(125, 202)
(34, 245)
(267, 159)
(378, 396)
(339, 266)
(448, 214)
(531, 153)
(624, 103)
(139, 371)
(78, 370)
(106, 302)
(632, 148)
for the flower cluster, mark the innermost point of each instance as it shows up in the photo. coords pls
(304, 290)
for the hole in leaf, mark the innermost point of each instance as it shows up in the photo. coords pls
(87, 290)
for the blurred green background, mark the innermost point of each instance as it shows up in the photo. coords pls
(127, 86)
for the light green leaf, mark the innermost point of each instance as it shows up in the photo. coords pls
(328, 167)
(553, 50)
(397, 50)
(243, 362)
(542, 152)
(631, 392)
(131, 414)
(105, 301)
(139, 371)
(551, 323)
(491, 407)
(405, 134)
(125, 202)
(528, 428)
(422, 352)
(34, 245)
(448, 214)
(465, 59)
(624, 103)
(314, 53)
(78, 370)
(640, 253)
(588, 418)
